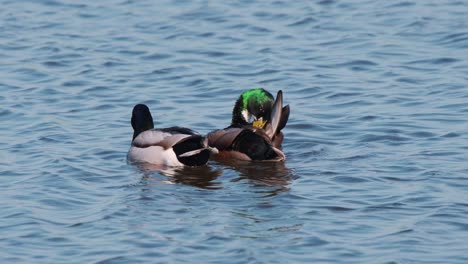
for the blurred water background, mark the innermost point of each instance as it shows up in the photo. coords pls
(376, 144)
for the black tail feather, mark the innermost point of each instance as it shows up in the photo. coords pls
(254, 146)
(189, 144)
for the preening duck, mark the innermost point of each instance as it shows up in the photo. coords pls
(243, 140)
(173, 146)
(254, 108)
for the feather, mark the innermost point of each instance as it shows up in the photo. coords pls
(284, 118)
(170, 141)
(179, 130)
(223, 138)
(272, 127)
(156, 137)
(191, 153)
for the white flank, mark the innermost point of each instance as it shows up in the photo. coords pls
(154, 155)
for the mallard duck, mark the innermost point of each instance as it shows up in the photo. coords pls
(173, 146)
(254, 107)
(252, 141)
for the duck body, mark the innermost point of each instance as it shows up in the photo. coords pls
(173, 146)
(244, 143)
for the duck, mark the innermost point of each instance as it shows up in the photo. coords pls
(254, 108)
(172, 146)
(252, 141)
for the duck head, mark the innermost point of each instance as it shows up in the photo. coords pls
(254, 105)
(141, 119)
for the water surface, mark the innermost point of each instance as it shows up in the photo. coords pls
(376, 144)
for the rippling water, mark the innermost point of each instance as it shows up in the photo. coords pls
(376, 145)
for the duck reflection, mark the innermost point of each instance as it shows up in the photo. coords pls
(201, 177)
(258, 174)
(273, 174)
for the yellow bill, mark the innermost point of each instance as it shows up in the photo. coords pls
(259, 123)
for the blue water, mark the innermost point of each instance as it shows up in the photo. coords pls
(376, 144)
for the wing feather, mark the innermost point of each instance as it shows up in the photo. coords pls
(275, 118)
(222, 139)
(284, 118)
(156, 137)
(170, 141)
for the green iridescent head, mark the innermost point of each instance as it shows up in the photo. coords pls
(253, 104)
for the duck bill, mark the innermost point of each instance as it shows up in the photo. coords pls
(259, 123)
